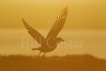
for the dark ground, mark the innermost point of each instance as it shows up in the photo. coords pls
(55, 63)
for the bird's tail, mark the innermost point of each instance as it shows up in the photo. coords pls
(34, 48)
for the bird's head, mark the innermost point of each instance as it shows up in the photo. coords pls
(59, 39)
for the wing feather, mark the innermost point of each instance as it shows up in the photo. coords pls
(59, 23)
(35, 34)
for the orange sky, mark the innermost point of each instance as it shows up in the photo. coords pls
(83, 14)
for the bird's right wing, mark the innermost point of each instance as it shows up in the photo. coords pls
(35, 34)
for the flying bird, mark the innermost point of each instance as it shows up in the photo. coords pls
(49, 43)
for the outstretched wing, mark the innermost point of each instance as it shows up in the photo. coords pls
(35, 34)
(59, 23)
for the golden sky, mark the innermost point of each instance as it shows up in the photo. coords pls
(82, 14)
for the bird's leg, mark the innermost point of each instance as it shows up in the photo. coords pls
(43, 54)
(39, 54)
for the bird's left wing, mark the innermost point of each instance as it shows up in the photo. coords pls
(35, 34)
(59, 23)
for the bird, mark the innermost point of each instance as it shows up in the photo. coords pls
(49, 43)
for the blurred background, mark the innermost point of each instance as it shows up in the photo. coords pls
(85, 22)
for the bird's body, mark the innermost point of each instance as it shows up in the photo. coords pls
(49, 43)
(48, 47)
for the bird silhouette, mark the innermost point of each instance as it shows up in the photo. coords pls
(49, 43)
